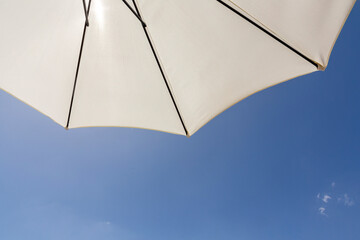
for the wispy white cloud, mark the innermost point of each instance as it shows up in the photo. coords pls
(322, 211)
(346, 200)
(326, 198)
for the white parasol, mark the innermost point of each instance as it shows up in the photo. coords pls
(167, 65)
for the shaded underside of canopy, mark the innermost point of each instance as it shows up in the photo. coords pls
(193, 60)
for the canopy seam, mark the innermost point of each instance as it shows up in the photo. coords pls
(157, 58)
(78, 64)
(270, 33)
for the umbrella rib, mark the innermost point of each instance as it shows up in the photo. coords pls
(78, 64)
(135, 13)
(161, 69)
(269, 33)
(86, 14)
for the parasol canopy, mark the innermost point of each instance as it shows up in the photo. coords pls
(167, 65)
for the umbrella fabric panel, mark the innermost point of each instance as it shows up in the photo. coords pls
(311, 27)
(120, 83)
(40, 41)
(214, 58)
(209, 57)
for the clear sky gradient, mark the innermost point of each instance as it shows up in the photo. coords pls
(283, 164)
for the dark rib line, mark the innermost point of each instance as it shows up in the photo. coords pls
(161, 70)
(78, 67)
(269, 33)
(85, 12)
(136, 14)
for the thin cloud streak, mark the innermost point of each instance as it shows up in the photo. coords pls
(348, 202)
(322, 211)
(326, 198)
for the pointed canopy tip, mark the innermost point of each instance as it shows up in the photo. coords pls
(321, 67)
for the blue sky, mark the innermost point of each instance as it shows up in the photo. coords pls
(283, 164)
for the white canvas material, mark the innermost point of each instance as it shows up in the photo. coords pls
(192, 60)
